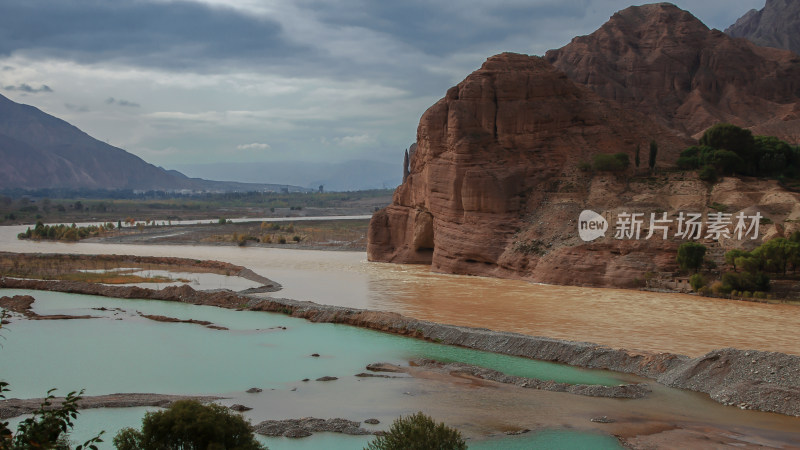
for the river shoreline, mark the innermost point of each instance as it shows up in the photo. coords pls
(748, 379)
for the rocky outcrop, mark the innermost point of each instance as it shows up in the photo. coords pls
(663, 61)
(487, 159)
(776, 25)
(296, 428)
(733, 375)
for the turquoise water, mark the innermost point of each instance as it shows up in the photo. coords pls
(139, 355)
(123, 352)
(551, 440)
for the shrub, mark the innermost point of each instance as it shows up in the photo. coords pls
(697, 281)
(189, 425)
(282, 240)
(584, 166)
(605, 162)
(718, 288)
(418, 431)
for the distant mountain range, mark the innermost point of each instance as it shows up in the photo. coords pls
(776, 25)
(344, 176)
(39, 151)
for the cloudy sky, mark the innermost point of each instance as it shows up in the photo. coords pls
(205, 81)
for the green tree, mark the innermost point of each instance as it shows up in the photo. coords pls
(730, 137)
(636, 158)
(777, 254)
(773, 155)
(653, 154)
(189, 425)
(418, 432)
(728, 162)
(690, 255)
(731, 256)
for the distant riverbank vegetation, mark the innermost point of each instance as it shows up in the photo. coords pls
(53, 205)
(748, 274)
(63, 232)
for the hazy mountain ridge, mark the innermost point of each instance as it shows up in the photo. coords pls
(38, 150)
(343, 176)
(776, 25)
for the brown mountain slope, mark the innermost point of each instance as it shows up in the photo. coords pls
(664, 62)
(38, 150)
(776, 25)
(489, 155)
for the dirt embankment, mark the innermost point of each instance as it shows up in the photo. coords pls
(22, 304)
(14, 407)
(765, 381)
(53, 266)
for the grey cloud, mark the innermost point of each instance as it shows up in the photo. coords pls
(175, 35)
(120, 102)
(76, 108)
(439, 29)
(421, 34)
(25, 87)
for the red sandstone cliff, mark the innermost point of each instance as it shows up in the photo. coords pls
(488, 158)
(494, 186)
(664, 62)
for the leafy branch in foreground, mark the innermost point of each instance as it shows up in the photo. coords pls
(418, 432)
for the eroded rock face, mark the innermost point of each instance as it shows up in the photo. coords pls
(491, 154)
(776, 25)
(662, 61)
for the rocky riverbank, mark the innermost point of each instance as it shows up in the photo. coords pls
(765, 381)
